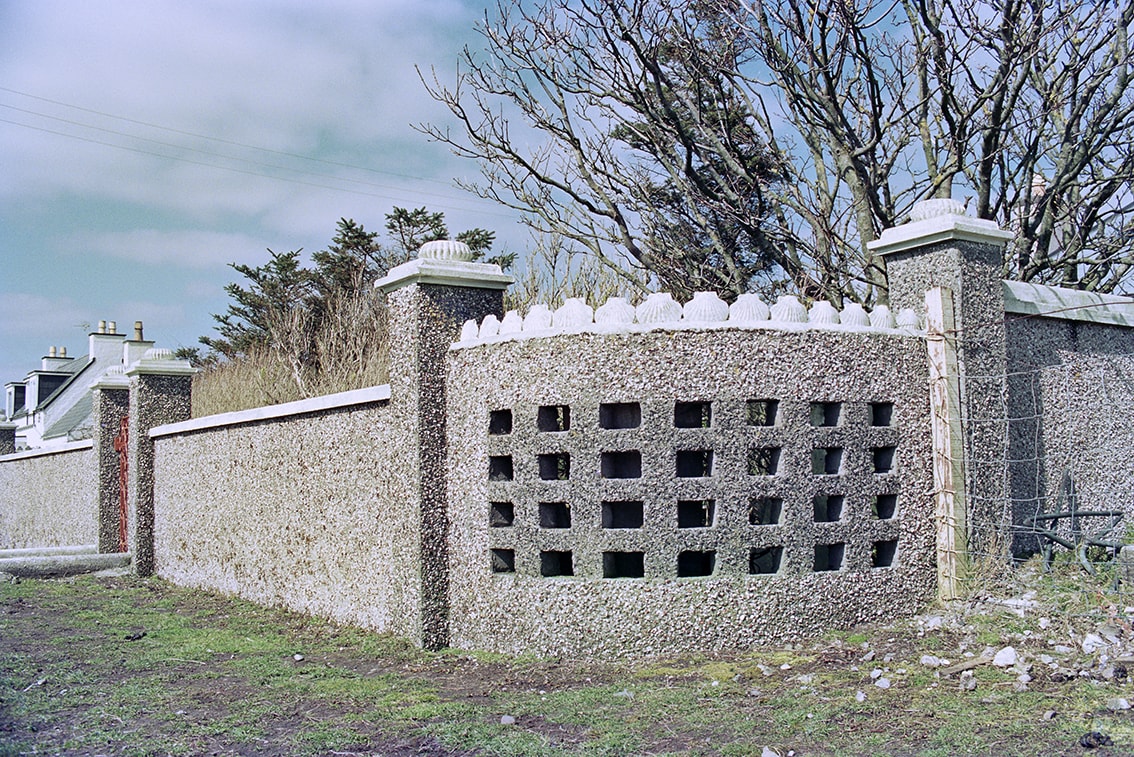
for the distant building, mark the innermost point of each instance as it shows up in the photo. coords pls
(52, 404)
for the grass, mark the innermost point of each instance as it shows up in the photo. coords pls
(214, 674)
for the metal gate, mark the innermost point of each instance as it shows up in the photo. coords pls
(121, 445)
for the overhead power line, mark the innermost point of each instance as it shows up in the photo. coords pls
(391, 192)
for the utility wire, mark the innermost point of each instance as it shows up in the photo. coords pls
(218, 139)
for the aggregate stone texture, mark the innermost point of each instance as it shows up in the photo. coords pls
(973, 272)
(1071, 389)
(7, 440)
(316, 513)
(155, 400)
(424, 322)
(48, 500)
(539, 406)
(110, 407)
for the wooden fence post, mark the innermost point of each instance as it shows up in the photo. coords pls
(948, 442)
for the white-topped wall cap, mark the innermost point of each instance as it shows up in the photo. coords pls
(513, 323)
(705, 307)
(788, 309)
(538, 318)
(114, 378)
(490, 326)
(658, 307)
(160, 361)
(907, 320)
(616, 311)
(854, 314)
(445, 249)
(470, 332)
(936, 221)
(882, 318)
(445, 262)
(574, 313)
(823, 313)
(748, 308)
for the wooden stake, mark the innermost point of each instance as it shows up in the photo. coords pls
(948, 447)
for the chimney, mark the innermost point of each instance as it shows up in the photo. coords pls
(106, 344)
(134, 349)
(56, 359)
(112, 327)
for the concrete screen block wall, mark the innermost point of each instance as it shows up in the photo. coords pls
(673, 490)
(49, 499)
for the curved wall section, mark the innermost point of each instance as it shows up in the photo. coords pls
(680, 489)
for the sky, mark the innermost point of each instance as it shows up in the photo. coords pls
(147, 144)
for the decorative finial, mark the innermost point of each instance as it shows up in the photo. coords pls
(445, 249)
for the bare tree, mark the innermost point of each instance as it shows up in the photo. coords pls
(741, 145)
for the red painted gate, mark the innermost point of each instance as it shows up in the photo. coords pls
(121, 444)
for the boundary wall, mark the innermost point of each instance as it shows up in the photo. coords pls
(653, 480)
(669, 490)
(303, 505)
(49, 499)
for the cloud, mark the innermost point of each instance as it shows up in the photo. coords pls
(186, 249)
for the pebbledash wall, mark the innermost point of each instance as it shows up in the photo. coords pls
(46, 498)
(634, 481)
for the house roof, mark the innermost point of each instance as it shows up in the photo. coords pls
(77, 416)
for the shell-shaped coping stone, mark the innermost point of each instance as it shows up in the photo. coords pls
(659, 307)
(445, 249)
(470, 331)
(158, 353)
(935, 208)
(854, 315)
(616, 311)
(490, 326)
(705, 307)
(789, 310)
(748, 308)
(572, 314)
(882, 318)
(538, 318)
(513, 323)
(908, 320)
(823, 312)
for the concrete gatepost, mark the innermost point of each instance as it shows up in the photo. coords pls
(428, 300)
(160, 393)
(7, 438)
(111, 400)
(948, 266)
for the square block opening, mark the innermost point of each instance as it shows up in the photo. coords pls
(828, 508)
(885, 506)
(881, 413)
(829, 556)
(555, 466)
(696, 513)
(554, 563)
(499, 422)
(620, 415)
(692, 414)
(501, 514)
(500, 468)
(694, 463)
(623, 514)
(623, 564)
(883, 459)
(883, 553)
(763, 461)
(826, 413)
(826, 461)
(765, 511)
(764, 560)
(553, 418)
(503, 560)
(691, 563)
(554, 515)
(626, 464)
(762, 412)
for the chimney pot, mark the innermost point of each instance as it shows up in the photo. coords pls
(51, 351)
(102, 327)
(138, 331)
(112, 327)
(62, 352)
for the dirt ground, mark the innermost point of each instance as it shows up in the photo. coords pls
(120, 665)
